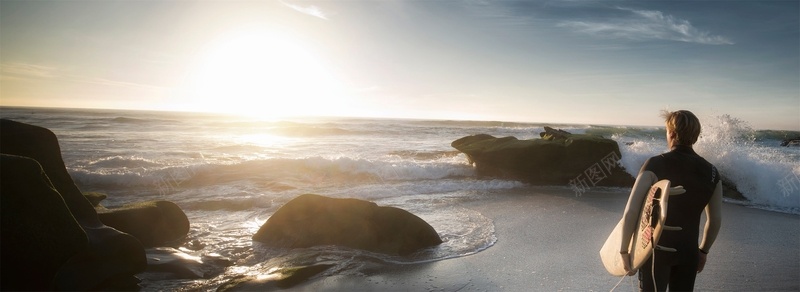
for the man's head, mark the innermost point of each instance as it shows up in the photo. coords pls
(683, 127)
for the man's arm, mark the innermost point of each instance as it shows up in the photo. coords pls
(713, 223)
(713, 219)
(644, 180)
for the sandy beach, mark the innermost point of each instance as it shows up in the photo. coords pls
(548, 240)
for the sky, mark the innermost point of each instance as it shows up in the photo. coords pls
(565, 61)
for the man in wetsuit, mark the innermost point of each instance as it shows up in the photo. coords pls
(683, 167)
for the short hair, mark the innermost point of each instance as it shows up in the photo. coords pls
(684, 124)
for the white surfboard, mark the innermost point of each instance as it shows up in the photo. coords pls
(651, 221)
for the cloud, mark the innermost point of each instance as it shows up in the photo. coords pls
(310, 10)
(22, 70)
(508, 13)
(647, 24)
(107, 82)
(36, 73)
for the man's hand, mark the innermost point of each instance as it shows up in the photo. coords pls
(626, 263)
(701, 263)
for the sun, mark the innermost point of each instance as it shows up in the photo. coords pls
(263, 74)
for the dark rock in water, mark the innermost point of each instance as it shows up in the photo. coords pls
(109, 263)
(110, 258)
(281, 279)
(560, 159)
(153, 223)
(729, 190)
(554, 134)
(95, 198)
(41, 145)
(312, 220)
(791, 142)
(39, 233)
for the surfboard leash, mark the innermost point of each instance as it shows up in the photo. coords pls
(620, 281)
(653, 270)
(633, 284)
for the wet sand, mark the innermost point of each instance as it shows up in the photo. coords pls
(548, 240)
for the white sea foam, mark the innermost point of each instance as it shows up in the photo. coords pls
(767, 176)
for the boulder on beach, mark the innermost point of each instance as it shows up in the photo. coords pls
(95, 198)
(41, 144)
(313, 220)
(153, 223)
(39, 233)
(559, 158)
(98, 257)
(791, 142)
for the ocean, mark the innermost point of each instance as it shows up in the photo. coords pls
(229, 173)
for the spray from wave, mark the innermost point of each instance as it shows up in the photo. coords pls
(767, 176)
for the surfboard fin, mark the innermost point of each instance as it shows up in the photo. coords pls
(676, 190)
(672, 228)
(664, 248)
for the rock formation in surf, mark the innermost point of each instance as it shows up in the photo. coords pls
(153, 223)
(558, 158)
(791, 142)
(311, 220)
(52, 236)
(39, 234)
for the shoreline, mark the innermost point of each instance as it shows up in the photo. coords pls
(544, 242)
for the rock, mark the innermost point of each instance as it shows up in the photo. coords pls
(39, 233)
(95, 198)
(312, 220)
(41, 145)
(729, 190)
(111, 258)
(109, 263)
(554, 134)
(154, 223)
(791, 142)
(561, 159)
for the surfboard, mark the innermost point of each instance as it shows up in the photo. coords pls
(651, 221)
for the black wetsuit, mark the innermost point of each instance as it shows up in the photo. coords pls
(683, 167)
